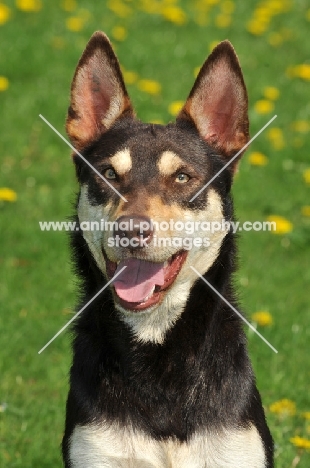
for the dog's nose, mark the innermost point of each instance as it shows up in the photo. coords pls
(134, 231)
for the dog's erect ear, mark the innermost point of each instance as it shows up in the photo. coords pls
(98, 93)
(218, 103)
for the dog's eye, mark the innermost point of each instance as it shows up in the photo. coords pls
(109, 173)
(182, 178)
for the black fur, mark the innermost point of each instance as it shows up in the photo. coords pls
(201, 375)
(200, 378)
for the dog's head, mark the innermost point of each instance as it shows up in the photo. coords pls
(138, 206)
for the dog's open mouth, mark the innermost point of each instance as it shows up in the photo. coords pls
(143, 283)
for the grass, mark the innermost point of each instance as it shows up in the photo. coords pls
(37, 290)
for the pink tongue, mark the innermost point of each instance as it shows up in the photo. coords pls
(137, 280)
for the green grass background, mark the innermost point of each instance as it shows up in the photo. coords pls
(37, 289)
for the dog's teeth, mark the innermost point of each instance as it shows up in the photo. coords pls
(149, 295)
(165, 264)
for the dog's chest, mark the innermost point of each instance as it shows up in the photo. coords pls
(115, 447)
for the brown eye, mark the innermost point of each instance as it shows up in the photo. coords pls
(109, 174)
(182, 178)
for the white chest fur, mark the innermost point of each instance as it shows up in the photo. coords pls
(114, 447)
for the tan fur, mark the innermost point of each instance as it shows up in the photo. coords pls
(151, 325)
(169, 163)
(122, 162)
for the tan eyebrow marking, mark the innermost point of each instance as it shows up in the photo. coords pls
(121, 161)
(169, 163)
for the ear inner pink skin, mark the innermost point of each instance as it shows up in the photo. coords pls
(138, 280)
(98, 93)
(217, 103)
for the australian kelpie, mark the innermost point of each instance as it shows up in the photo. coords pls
(160, 377)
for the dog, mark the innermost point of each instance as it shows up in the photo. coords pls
(160, 377)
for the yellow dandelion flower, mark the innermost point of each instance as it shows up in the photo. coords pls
(271, 93)
(257, 159)
(263, 106)
(299, 71)
(302, 126)
(306, 414)
(305, 211)
(278, 144)
(29, 5)
(256, 27)
(308, 14)
(175, 107)
(69, 5)
(283, 407)
(282, 225)
(130, 77)
(119, 8)
(223, 21)
(4, 83)
(303, 71)
(262, 13)
(211, 2)
(227, 7)
(262, 17)
(7, 194)
(306, 176)
(5, 13)
(119, 33)
(150, 6)
(263, 318)
(75, 23)
(276, 137)
(275, 133)
(279, 6)
(149, 86)
(174, 14)
(300, 442)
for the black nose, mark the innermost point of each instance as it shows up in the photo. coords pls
(136, 231)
